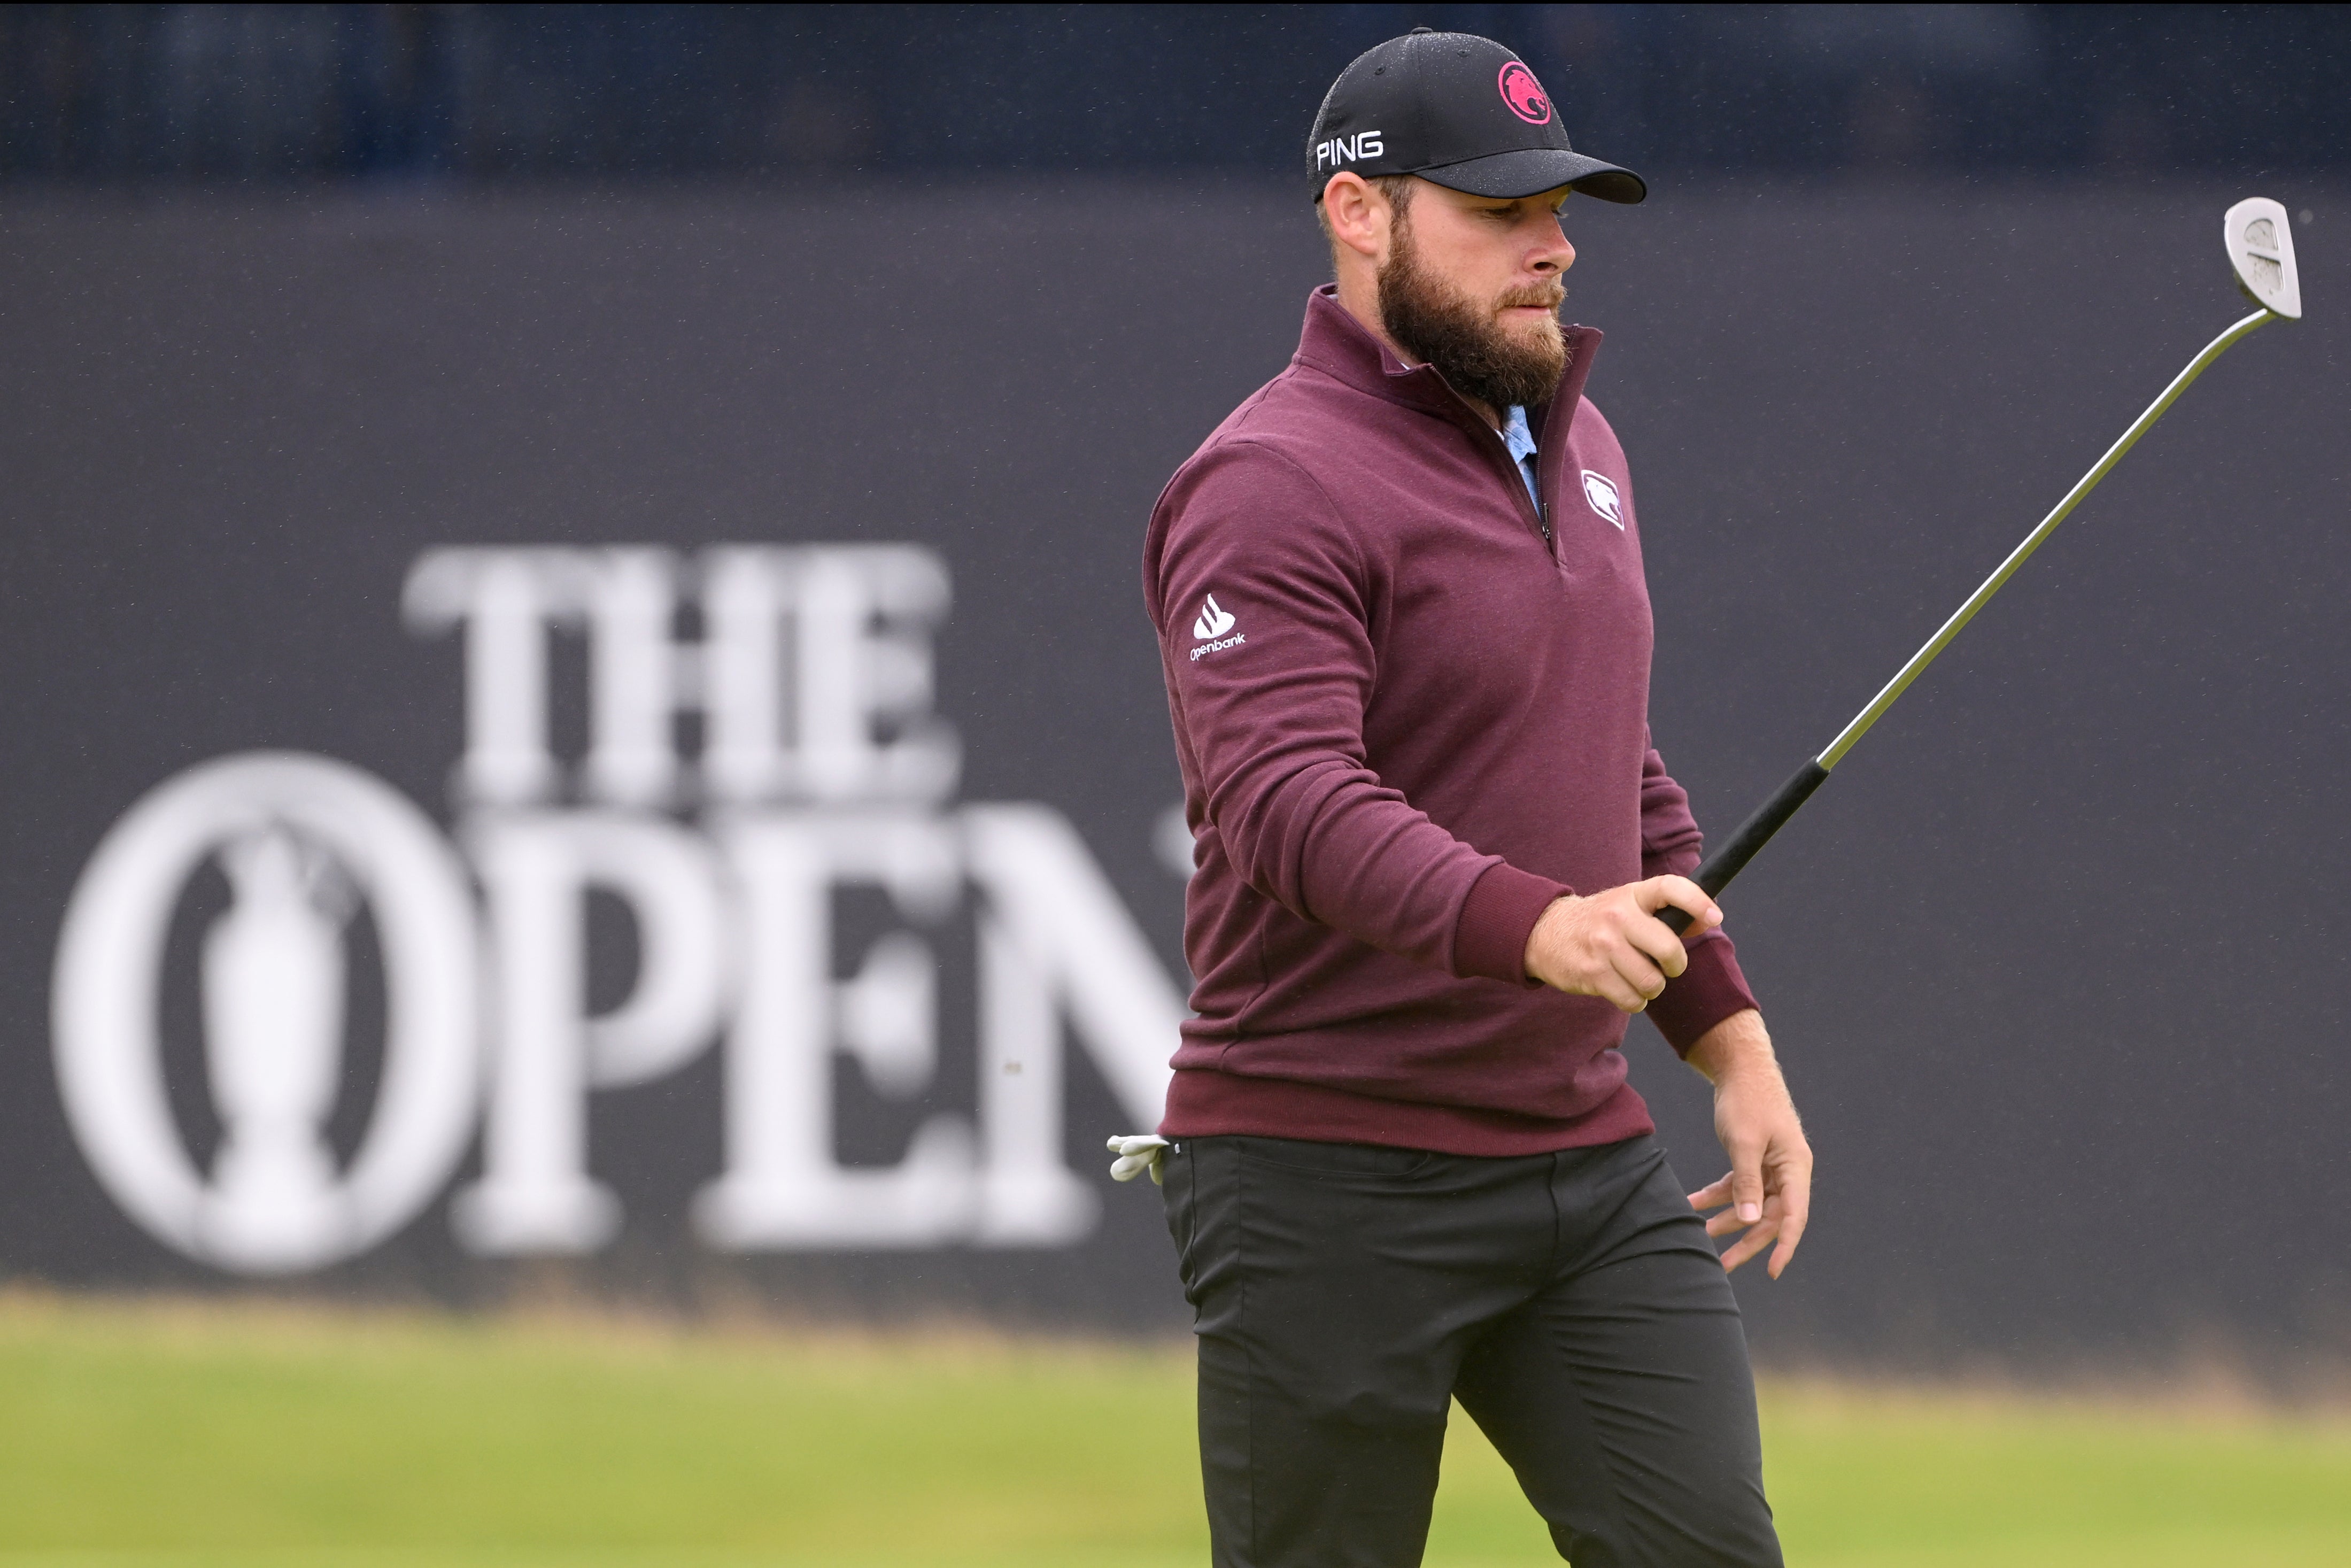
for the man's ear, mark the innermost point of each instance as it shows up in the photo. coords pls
(1359, 215)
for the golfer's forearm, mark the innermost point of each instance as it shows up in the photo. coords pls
(1737, 1044)
(1379, 870)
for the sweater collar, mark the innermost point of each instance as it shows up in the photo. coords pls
(1337, 344)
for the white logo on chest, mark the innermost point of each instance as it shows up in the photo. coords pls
(1601, 491)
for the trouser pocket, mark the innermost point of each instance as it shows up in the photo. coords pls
(1179, 1198)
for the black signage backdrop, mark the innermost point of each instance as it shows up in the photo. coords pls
(2056, 960)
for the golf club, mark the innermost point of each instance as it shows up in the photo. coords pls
(2261, 251)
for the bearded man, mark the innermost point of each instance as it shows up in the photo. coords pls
(1406, 634)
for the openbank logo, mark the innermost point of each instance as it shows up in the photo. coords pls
(822, 769)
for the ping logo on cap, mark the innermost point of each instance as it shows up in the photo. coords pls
(1525, 94)
(1341, 150)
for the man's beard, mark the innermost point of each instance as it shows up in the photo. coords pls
(1465, 340)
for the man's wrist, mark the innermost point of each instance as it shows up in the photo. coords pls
(1737, 1046)
(1537, 940)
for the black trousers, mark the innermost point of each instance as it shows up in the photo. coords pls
(1346, 1294)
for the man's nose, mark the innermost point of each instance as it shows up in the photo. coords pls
(1554, 254)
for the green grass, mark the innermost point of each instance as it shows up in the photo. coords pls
(178, 1435)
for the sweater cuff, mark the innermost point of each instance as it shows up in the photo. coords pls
(1497, 918)
(1703, 995)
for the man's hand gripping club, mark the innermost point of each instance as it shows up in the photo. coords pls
(1612, 946)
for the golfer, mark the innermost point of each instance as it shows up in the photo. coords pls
(1400, 599)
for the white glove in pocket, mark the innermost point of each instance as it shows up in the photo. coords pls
(1138, 1153)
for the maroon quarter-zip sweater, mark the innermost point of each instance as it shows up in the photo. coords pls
(1411, 710)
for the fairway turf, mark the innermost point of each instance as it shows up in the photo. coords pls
(174, 1436)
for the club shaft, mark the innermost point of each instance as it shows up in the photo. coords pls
(1731, 856)
(2016, 558)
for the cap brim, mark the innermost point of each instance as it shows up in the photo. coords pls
(1529, 173)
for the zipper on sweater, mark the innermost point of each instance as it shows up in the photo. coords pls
(1543, 513)
(1517, 486)
(1516, 482)
(1534, 502)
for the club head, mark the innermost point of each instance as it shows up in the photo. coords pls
(2261, 247)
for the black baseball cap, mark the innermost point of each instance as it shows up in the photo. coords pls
(1460, 112)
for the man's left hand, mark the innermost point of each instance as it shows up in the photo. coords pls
(1769, 1189)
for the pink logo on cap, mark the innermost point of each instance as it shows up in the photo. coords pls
(1525, 94)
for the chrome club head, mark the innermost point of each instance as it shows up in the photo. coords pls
(2261, 247)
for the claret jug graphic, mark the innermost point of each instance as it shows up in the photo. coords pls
(273, 1026)
(303, 842)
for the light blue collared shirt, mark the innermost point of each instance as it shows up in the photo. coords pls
(1520, 440)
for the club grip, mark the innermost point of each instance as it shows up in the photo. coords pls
(1731, 857)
